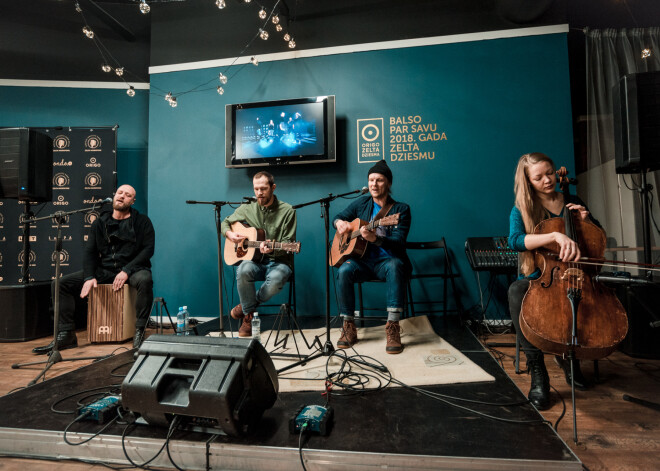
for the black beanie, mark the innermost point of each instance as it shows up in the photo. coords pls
(382, 168)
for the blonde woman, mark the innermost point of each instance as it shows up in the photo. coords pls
(537, 199)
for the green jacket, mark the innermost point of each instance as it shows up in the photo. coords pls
(278, 221)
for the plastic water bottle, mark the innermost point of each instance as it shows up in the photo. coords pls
(186, 321)
(256, 327)
(180, 322)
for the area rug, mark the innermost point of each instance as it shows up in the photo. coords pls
(426, 358)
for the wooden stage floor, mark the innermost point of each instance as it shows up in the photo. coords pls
(397, 427)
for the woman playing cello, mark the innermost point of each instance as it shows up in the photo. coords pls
(537, 199)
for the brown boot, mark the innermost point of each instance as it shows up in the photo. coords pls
(348, 335)
(245, 330)
(393, 331)
(237, 312)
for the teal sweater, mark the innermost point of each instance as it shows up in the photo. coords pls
(278, 221)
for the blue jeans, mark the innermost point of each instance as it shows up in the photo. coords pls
(273, 274)
(389, 269)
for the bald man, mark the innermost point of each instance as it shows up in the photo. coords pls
(118, 251)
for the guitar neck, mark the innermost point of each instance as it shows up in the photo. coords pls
(371, 226)
(257, 243)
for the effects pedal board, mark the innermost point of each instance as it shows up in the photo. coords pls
(491, 254)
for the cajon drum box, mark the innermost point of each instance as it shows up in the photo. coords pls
(111, 314)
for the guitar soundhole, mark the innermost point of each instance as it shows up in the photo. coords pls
(240, 250)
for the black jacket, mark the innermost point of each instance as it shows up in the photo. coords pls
(116, 247)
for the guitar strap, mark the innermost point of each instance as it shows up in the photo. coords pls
(384, 210)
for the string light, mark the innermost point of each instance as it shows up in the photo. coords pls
(287, 37)
(247, 1)
(263, 34)
(106, 68)
(275, 19)
(78, 9)
(221, 90)
(254, 60)
(263, 14)
(131, 91)
(292, 44)
(168, 96)
(88, 32)
(173, 102)
(119, 71)
(278, 28)
(220, 4)
(222, 77)
(646, 53)
(144, 8)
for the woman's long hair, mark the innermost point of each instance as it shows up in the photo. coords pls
(528, 203)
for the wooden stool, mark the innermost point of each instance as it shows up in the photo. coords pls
(111, 314)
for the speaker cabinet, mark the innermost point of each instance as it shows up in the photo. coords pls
(636, 112)
(642, 303)
(25, 313)
(26, 165)
(222, 384)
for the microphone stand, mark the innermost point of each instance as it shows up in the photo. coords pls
(54, 356)
(328, 348)
(218, 221)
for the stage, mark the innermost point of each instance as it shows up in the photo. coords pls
(394, 428)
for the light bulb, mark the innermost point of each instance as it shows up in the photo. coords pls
(254, 60)
(88, 32)
(106, 68)
(78, 9)
(263, 34)
(275, 19)
(119, 71)
(247, 1)
(131, 91)
(263, 14)
(292, 44)
(646, 53)
(144, 8)
(287, 36)
(220, 4)
(173, 102)
(278, 28)
(222, 77)
(168, 97)
(221, 90)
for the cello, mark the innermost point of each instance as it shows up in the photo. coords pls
(566, 311)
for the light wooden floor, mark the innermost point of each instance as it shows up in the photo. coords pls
(613, 434)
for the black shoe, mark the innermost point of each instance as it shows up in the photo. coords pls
(138, 338)
(581, 382)
(539, 392)
(65, 339)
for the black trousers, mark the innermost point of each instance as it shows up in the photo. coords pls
(70, 286)
(517, 292)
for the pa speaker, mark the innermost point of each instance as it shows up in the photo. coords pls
(636, 112)
(223, 384)
(26, 165)
(642, 303)
(25, 313)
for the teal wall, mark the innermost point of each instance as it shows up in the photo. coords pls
(495, 100)
(86, 107)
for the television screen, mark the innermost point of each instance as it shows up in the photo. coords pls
(280, 132)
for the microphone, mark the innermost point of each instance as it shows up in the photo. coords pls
(191, 202)
(107, 200)
(250, 198)
(364, 190)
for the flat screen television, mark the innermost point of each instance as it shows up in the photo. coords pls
(295, 131)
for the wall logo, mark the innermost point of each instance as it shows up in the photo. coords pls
(105, 330)
(64, 238)
(85, 237)
(64, 258)
(93, 143)
(61, 181)
(32, 258)
(92, 163)
(92, 201)
(370, 140)
(65, 220)
(61, 143)
(90, 217)
(2, 220)
(63, 163)
(92, 181)
(61, 202)
(33, 238)
(21, 222)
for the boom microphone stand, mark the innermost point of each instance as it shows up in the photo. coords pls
(328, 348)
(218, 221)
(54, 356)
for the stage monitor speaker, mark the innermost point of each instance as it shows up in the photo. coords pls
(26, 165)
(25, 313)
(216, 383)
(642, 303)
(636, 112)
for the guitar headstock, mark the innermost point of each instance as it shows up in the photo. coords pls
(391, 220)
(291, 247)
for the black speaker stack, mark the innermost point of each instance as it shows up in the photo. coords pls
(636, 113)
(26, 165)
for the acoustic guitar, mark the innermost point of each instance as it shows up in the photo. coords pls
(248, 249)
(350, 244)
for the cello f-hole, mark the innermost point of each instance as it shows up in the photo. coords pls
(552, 278)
